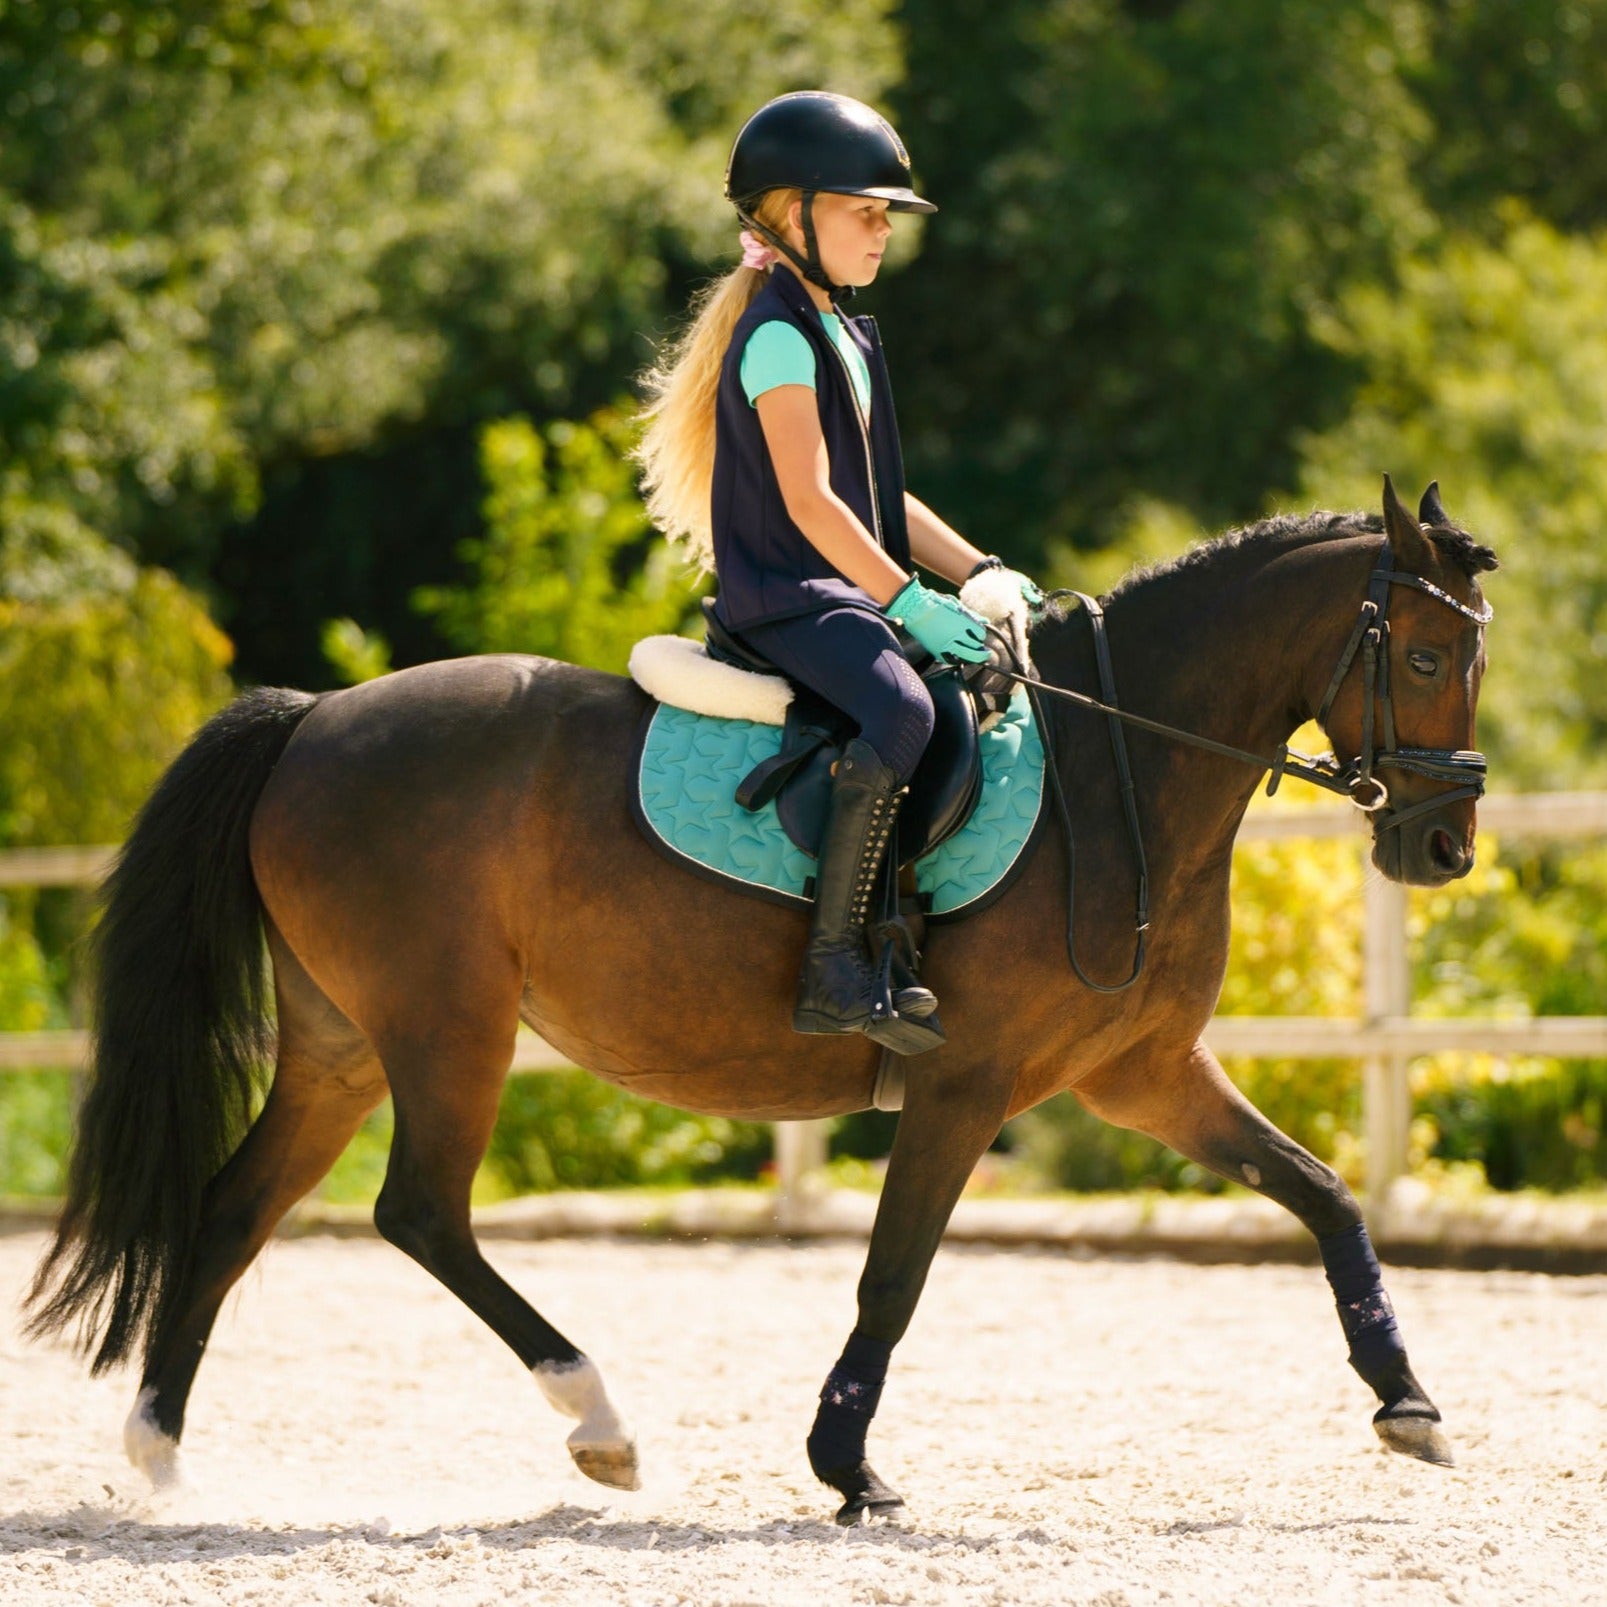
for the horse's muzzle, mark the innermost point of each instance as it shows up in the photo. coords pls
(1430, 852)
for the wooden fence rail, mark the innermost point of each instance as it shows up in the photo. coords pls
(1385, 1038)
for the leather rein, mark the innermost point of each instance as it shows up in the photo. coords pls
(1462, 769)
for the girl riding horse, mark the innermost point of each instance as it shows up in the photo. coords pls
(773, 451)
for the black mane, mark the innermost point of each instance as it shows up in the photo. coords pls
(1286, 530)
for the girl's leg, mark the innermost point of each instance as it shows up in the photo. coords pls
(852, 659)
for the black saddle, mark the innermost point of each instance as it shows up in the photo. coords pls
(946, 784)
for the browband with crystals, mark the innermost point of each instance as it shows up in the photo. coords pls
(1479, 616)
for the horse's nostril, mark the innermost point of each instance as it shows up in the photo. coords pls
(1445, 851)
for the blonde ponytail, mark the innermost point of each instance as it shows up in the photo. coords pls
(676, 454)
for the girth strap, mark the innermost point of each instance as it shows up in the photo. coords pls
(1124, 777)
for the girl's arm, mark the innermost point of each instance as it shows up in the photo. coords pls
(938, 546)
(789, 416)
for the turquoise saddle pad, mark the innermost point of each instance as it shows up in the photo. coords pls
(691, 765)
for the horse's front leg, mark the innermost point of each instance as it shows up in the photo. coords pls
(952, 1112)
(1188, 1103)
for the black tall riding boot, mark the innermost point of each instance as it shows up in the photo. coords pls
(838, 988)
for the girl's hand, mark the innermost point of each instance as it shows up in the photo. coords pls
(943, 625)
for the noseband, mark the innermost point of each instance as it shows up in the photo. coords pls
(1462, 769)
(1370, 636)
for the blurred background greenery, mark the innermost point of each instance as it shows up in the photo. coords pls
(318, 324)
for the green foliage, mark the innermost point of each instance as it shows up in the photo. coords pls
(571, 1130)
(356, 1178)
(1155, 200)
(28, 1002)
(1516, 92)
(105, 672)
(559, 1130)
(240, 239)
(1520, 1125)
(1524, 934)
(1065, 1147)
(35, 1124)
(1487, 369)
(353, 653)
(97, 693)
(568, 566)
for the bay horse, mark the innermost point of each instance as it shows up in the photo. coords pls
(436, 855)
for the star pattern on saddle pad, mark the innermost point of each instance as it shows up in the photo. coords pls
(972, 861)
(691, 765)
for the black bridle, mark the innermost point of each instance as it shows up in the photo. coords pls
(1462, 769)
(1370, 634)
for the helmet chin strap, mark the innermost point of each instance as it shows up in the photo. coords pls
(809, 265)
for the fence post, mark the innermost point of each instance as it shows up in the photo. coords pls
(800, 1150)
(1387, 991)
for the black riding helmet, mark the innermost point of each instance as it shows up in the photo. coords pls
(813, 141)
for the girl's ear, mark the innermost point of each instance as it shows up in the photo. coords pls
(795, 221)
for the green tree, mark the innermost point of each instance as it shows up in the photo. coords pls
(568, 565)
(1487, 370)
(97, 693)
(1144, 207)
(266, 264)
(1517, 93)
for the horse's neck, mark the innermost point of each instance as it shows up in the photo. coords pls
(1227, 651)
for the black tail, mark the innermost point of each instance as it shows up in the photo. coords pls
(181, 1036)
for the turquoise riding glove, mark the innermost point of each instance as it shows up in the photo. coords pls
(1031, 591)
(943, 625)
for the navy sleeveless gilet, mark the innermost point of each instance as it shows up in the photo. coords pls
(767, 568)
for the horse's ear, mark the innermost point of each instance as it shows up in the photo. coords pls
(1412, 550)
(1431, 511)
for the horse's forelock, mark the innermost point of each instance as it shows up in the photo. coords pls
(1469, 555)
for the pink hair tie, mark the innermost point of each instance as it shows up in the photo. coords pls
(755, 253)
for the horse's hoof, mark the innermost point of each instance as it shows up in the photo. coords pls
(1416, 1436)
(613, 1465)
(603, 1446)
(865, 1497)
(155, 1453)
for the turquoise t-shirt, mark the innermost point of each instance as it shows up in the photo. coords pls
(777, 354)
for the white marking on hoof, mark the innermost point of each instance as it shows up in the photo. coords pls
(155, 1453)
(603, 1446)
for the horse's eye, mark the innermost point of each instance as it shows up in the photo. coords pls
(1424, 664)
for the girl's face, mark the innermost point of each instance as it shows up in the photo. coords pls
(851, 231)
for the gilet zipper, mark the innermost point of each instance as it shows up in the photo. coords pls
(864, 429)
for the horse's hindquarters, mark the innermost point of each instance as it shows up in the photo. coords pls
(455, 841)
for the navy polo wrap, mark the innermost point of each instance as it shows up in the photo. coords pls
(767, 568)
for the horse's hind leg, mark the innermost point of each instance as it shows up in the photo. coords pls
(327, 1078)
(1188, 1103)
(446, 1079)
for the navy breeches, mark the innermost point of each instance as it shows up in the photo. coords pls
(853, 660)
